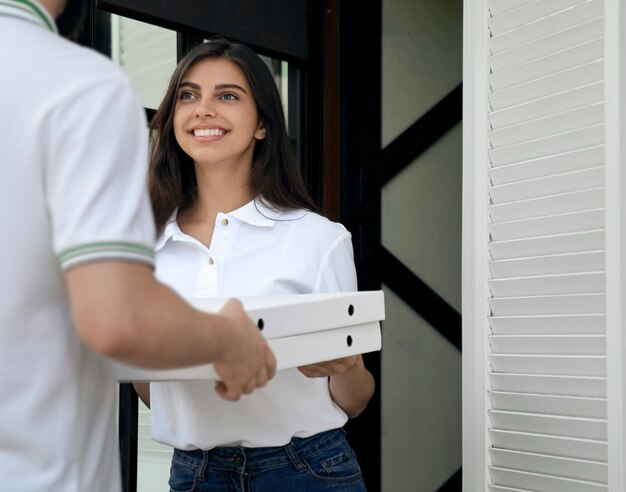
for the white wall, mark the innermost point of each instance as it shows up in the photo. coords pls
(421, 226)
(422, 43)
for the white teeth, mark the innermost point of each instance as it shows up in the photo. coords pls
(207, 132)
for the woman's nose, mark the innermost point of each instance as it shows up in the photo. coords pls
(204, 110)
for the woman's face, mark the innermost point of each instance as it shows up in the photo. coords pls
(215, 117)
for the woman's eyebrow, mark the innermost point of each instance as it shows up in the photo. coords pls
(189, 84)
(230, 86)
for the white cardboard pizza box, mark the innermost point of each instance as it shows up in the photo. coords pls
(301, 329)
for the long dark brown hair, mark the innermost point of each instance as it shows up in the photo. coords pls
(275, 176)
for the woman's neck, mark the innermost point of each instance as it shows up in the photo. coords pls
(218, 191)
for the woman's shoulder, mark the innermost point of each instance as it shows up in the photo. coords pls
(313, 224)
(303, 221)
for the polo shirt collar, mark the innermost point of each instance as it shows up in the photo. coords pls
(29, 10)
(170, 230)
(254, 213)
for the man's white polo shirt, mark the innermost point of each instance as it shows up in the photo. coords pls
(73, 155)
(254, 251)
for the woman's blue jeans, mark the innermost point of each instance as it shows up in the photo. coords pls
(324, 462)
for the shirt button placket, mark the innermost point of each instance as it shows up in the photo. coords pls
(207, 281)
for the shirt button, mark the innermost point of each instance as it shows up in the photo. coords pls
(224, 222)
(211, 261)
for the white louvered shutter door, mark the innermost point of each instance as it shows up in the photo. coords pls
(547, 407)
(547, 396)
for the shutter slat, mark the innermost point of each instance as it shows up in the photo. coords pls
(549, 225)
(548, 245)
(548, 404)
(548, 344)
(545, 106)
(554, 425)
(566, 80)
(497, 7)
(556, 304)
(499, 488)
(553, 124)
(557, 204)
(589, 386)
(148, 40)
(544, 265)
(548, 165)
(556, 365)
(569, 447)
(542, 285)
(547, 65)
(546, 186)
(542, 28)
(552, 324)
(547, 45)
(527, 13)
(552, 145)
(592, 471)
(542, 483)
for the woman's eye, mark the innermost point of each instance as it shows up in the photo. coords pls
(229, 96)
(186, 95)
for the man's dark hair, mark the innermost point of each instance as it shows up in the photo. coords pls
(71, 22)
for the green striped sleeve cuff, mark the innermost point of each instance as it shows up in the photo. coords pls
(33, 9)
(113, 251)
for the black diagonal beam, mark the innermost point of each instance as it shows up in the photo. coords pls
(417, 294)
(454, 483)
(421, 135)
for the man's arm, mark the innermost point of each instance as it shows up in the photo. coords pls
(122, 312)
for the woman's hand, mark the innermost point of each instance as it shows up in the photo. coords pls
(330, 368)
(351, 384)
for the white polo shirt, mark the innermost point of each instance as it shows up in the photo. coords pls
(74, 161)
(254, 251)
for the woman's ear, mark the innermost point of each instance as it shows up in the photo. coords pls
(260, 132)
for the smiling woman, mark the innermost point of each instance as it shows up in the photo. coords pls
(235, 219)
(215, 120)
(273, 173)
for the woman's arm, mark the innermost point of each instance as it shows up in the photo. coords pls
(351, 384)
(143, 391)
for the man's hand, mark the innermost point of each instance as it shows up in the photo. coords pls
(248, 362)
